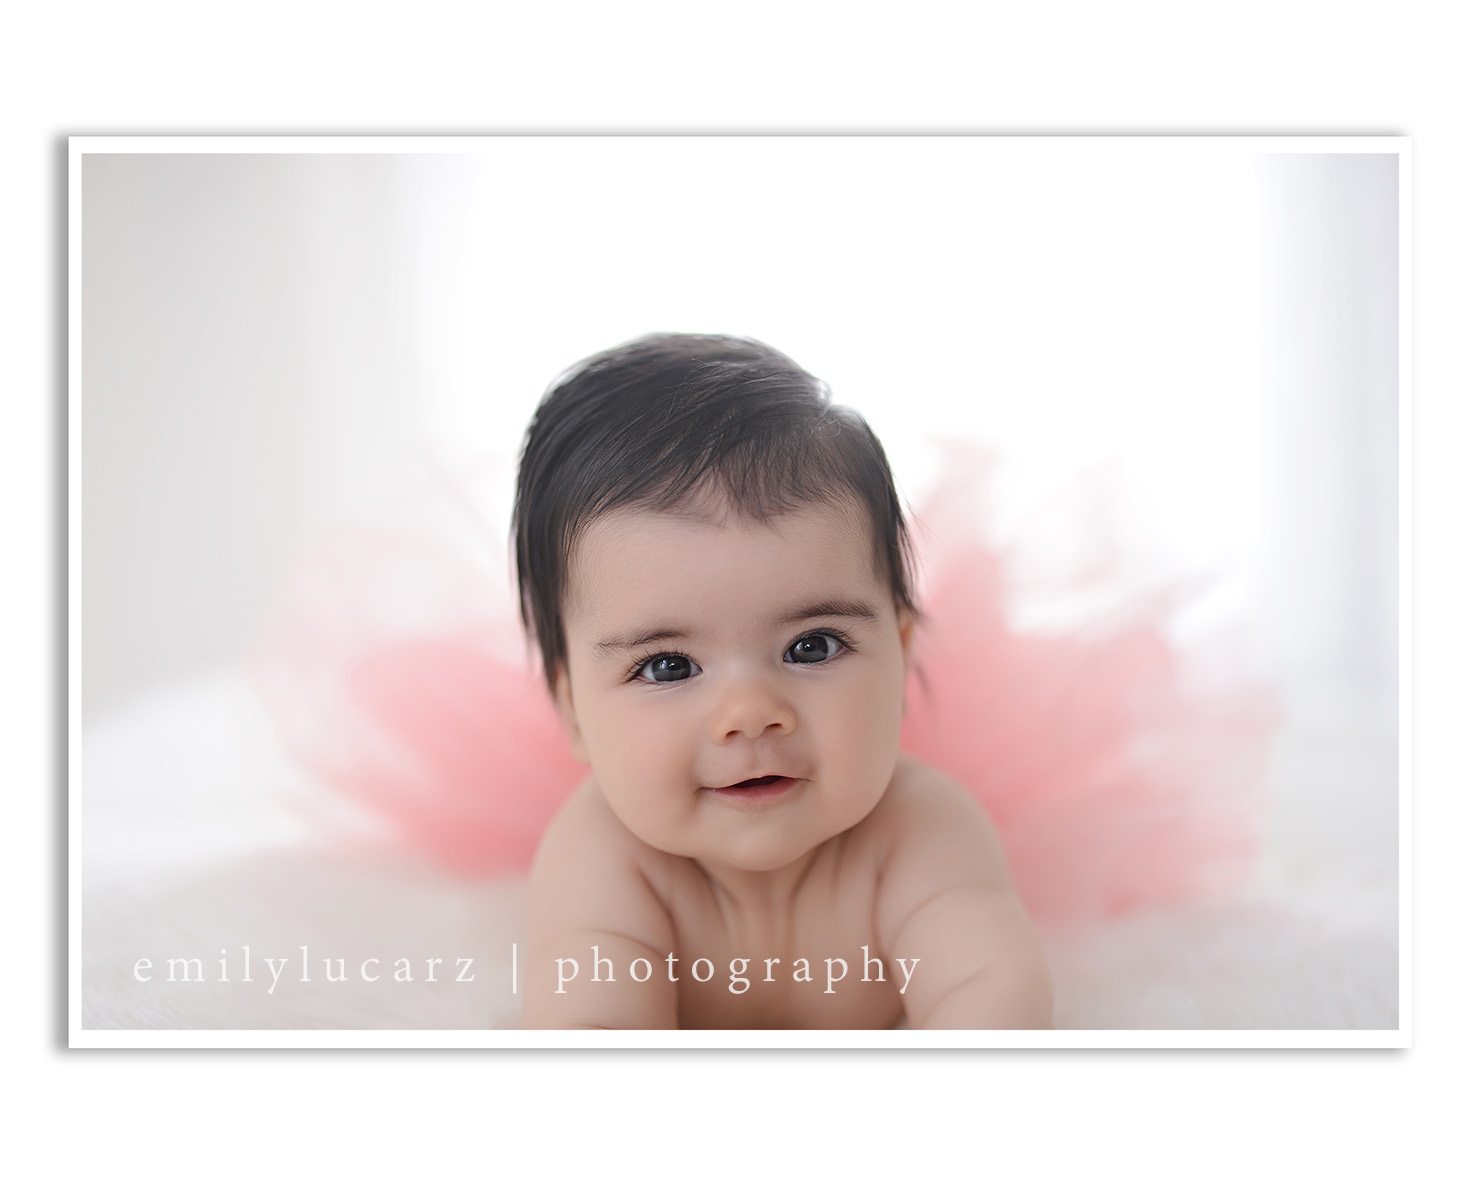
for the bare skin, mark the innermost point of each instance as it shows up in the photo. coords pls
(922, 877)
(737, 688)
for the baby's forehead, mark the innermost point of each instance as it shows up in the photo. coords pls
(633, 552)
(841, 526)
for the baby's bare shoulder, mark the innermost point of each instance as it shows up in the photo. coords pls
(590, 870)
(585, 821)
(920, 795)
(588, 892)
(927, 824)
(945, 898)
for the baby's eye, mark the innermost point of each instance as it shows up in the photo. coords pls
(666, 668)
(814, 648)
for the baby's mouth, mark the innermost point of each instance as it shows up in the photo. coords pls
(756, 789)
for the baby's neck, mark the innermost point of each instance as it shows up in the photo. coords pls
(758, 898)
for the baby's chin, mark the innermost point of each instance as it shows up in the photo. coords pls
(764, 849)
(751, 854)
(732, 847)
(767, 842)
(737, 851)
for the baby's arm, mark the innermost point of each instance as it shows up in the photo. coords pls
(946, 898)
(587, 888)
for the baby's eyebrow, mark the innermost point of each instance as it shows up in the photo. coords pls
(618, 644)
(833, 607)
(839, 607)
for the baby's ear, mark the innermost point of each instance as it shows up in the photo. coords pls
(566, 706)
(906, 631)
(907, 622)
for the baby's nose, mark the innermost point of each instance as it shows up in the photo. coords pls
(751, 709)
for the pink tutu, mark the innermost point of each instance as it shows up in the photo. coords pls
(1116, 779)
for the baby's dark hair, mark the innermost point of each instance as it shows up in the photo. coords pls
(662, 419)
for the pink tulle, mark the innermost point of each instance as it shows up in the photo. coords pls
(383, 672)
(1113, 781)
(1111, 784)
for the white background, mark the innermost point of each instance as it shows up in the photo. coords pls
(1307, 68)
(274, 341)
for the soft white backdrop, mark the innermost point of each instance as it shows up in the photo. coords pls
(274, 341)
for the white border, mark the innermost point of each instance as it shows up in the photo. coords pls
(1400, 1037)
(480, 145)
(746, 1038)
(1405, 591)
(74, 593)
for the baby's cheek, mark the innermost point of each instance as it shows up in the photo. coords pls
(875, 704)
(650, 760)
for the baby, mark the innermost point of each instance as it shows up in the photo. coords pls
(714, 565)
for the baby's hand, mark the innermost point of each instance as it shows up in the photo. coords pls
(585, 890)
(946, 898)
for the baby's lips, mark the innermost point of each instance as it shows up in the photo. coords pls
(759, 779)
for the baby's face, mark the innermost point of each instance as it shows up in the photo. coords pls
(705, 653)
